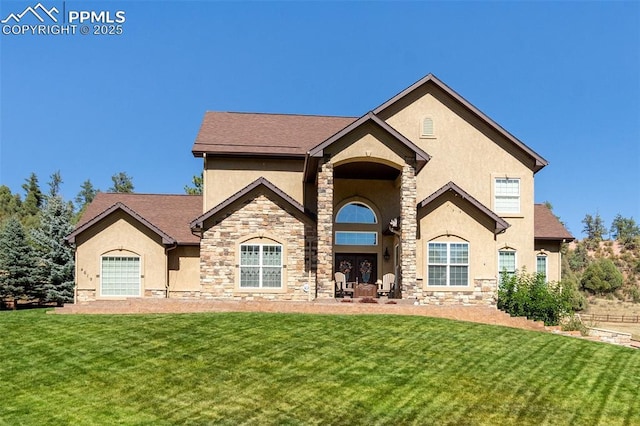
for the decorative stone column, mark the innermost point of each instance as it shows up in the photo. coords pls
(324, 276)
(408, 232)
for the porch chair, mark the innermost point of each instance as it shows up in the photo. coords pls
(388, 283)
(342, 286)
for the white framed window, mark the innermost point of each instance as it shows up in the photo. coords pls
(541, 265)
(426, 129)
(507, 195)
(120, 276)
(356, 213)
(507, 262)
(448, 264)
(260, 266)
(356, 238)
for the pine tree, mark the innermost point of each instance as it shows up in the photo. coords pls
(121, 183)
(9, 203)
(56, 265)
(17, 270)
(625, 230)
(196, 189)
(54, 184)
(32, 202)
(85, 196)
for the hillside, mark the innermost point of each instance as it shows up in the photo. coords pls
(580, 254)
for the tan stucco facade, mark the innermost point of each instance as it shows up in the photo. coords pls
(119, 235)
(386, 161)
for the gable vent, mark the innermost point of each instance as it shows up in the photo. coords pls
(427, 127)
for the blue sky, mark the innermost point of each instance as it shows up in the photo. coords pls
(563, 77)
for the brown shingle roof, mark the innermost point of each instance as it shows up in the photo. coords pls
(547, 226)
(265, 134)
(167, 215)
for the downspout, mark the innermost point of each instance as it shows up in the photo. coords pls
(166, 252)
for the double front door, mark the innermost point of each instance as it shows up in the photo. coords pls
(358, 267)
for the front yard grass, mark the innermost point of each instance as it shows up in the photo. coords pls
(260, 368)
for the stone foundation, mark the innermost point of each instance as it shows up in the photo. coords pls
(85, 295)
(484, 292)
(155, 294)
(184, 294)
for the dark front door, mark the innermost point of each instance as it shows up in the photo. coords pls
(360, 267)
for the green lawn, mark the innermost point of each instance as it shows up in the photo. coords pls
(244, 368)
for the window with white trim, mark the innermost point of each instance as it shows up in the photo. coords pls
(507, 262)
(260, 266)
(507, 195)
(541, 265)
(120, 276)
(448, 264)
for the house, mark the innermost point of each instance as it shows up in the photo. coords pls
(424, 186)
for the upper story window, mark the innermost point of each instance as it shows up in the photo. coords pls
(427, 129)
(356, 213)
(507, 195)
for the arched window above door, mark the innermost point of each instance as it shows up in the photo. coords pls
(356, 212)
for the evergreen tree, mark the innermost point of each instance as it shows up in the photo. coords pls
(601, 276)
(56, 266)
(625, 230)
(594, 229)
(32, 202)
(84, 198)
(196, 189)
(121, 183)
(17, 271)
(10, 204)
(54, 184)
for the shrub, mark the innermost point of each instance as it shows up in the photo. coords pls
(530, 296)
(574, 323)
(601, 277)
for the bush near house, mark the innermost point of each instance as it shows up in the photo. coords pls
(528, 295)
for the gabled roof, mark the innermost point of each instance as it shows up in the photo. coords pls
(421, 156)
(547, 226)
(500, 224)
(198, 223)
(166, 215)
(239, 133)
(539, 161)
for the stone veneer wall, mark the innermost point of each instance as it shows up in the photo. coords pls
(158, 294)
(408, 232)
(325, 286)
(485, 292)
(219, 260)
(184, 294)
(85, 295)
